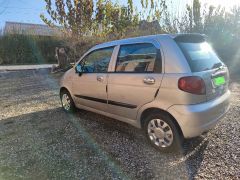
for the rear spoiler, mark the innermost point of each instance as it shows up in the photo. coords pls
(191, 38)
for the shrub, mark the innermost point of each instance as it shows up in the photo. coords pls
(23, 49)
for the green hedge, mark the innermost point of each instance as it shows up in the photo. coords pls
(22, 49)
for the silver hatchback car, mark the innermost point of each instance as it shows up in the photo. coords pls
(171, 86)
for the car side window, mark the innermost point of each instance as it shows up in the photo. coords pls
(137, 58)
(97, 61)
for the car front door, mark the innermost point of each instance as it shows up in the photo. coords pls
(136, 79)
(89, 87)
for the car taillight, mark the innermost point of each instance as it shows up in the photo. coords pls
(192, 84)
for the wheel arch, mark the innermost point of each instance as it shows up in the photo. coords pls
(63, 89)
(147, 111)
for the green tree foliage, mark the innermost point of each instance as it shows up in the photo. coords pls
(222, 28)
(153, 9)
(192, 21)
(210, 20)
(74, 16)
(111, 18)
(80, 17)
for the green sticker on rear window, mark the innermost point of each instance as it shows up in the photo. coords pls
(219, 80)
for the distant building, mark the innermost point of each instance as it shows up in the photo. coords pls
(30, 29)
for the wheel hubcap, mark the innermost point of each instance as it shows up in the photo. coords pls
(160, 133)
(66, 102)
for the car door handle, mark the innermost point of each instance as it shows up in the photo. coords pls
(149, 80)
(100, 78)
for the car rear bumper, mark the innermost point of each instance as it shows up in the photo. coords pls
(199, 118)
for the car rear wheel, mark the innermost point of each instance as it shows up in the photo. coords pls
(162, 133)
(67, 102)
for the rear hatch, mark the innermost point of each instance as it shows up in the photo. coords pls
(205, 63)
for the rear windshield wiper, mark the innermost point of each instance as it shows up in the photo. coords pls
(217, 66)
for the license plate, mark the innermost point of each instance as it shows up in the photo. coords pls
(218, 81)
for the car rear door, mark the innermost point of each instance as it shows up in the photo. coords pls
(135, 79)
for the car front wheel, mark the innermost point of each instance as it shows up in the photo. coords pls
(67, 102)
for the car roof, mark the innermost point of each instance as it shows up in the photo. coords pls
(141, 39)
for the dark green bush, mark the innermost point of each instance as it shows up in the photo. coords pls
(22, 49)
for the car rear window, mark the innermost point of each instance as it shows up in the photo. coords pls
(200, 55)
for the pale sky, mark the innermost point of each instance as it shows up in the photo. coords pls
(28, 11)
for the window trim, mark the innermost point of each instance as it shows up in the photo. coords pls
(157, 66)
(99, 49)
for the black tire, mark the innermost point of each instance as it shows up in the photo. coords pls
(177, 138)
(72, 107)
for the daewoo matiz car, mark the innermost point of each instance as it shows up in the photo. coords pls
(171, 86)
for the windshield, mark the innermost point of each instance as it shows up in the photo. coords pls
(200, 56)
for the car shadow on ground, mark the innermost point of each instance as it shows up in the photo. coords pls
(191, 154)
(54, 144)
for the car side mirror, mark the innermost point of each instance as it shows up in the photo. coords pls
(79, 69)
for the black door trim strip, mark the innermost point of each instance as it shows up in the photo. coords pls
(92, 99)
(122, 104)
(107, 102)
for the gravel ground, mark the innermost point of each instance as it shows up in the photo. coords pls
(39, 141)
